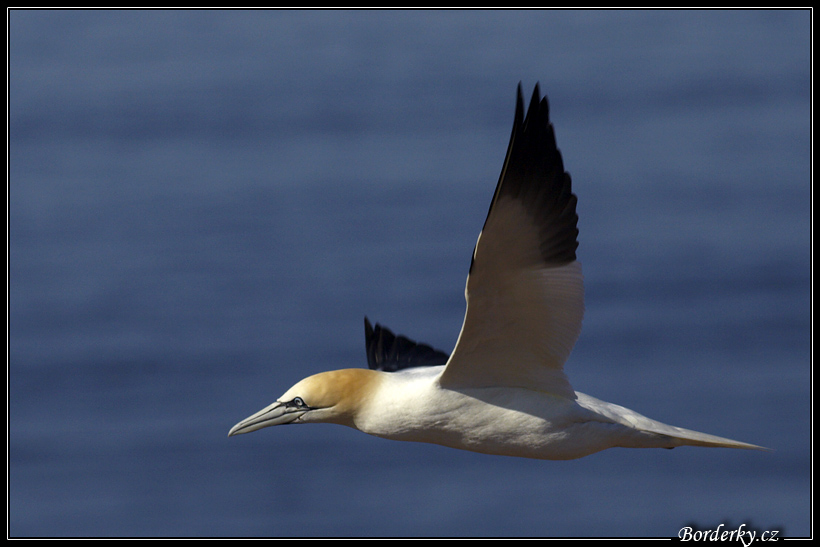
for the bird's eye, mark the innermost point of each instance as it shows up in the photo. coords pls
(298, 402)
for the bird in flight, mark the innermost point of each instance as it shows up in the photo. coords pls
(503, 389)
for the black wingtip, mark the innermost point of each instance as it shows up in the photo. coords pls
(519, 108)
(533, 172)
(536, 98)
(535, 101)
(388, 352)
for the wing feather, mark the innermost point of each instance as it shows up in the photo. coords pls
(525, 295)
(389, 352)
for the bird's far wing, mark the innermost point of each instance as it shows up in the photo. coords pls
(388, 352)
(525, 295)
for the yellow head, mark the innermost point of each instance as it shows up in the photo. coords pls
(331, 397)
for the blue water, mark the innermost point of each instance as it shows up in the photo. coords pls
(204, 205)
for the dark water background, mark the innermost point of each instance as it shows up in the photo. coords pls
(204, 205)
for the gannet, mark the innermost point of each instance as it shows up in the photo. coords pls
(502, 390)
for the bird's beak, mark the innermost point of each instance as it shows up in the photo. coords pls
(275, 414)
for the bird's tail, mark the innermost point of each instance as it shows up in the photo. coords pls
(679, 436)
(652, 433)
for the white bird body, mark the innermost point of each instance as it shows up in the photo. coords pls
(503, 389)
(411, 405)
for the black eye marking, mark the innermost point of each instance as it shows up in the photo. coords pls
(297, 402)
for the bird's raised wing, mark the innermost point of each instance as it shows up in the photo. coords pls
(525, 295)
